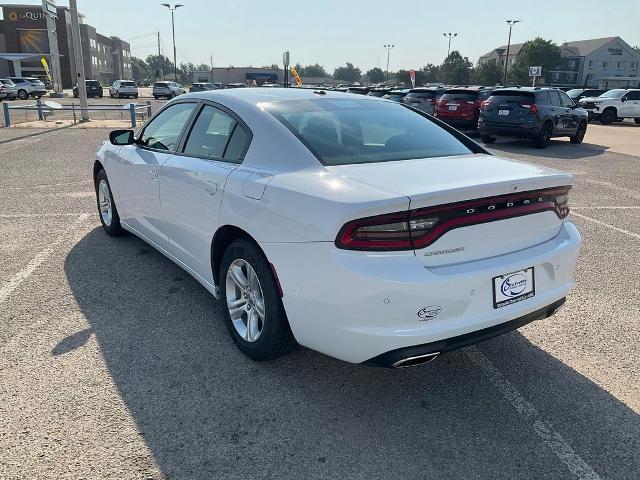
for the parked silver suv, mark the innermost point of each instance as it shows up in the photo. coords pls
(10, 89)
(167, 89)
(123, 88)
(29, 86)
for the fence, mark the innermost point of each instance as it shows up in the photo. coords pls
(45, 109)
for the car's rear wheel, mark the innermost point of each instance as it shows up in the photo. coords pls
(22, 94)
(487, 138)
(254, 312)
(580, 132)
(637, 120)
(608, 117)
(544, 137)
(106, 206)
(156, 97)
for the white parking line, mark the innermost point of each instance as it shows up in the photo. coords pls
(549, 436)
(16, 280)
(40, 215)
(621, 230)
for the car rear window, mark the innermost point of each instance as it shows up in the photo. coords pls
(161, 84)
(342, 132)
(460, 95)
(93, 83)
(512, 96)
(421, 94)
(128, 84)
(34, 81)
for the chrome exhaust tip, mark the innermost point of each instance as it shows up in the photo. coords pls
(416, 360)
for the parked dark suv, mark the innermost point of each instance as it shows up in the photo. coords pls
(94, 89)
(424, 99)
(531, 112)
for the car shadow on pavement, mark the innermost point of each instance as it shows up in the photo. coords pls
(557, 148)
(206, 411)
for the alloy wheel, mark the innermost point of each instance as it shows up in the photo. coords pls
(104, 202)
(245, 300)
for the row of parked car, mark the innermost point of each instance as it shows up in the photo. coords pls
(21, 87)
(535, 113)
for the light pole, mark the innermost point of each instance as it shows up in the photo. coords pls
(451, 36)
(173, 31)
(388, 47)
(506, 60)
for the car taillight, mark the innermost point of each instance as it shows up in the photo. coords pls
(415, 229)
(433, 101)
(485, 104)
(533, 108)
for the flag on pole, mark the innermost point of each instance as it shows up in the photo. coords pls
(412, 76)
(294, 72)
(46, 68)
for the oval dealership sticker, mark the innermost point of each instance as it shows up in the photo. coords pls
(514, 285)
(427, 313)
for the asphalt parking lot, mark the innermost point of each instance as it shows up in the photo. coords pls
(114, 363)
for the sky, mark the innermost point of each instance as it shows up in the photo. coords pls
(332, 32)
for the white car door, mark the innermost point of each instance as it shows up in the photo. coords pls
(137, 169)
(631, 105)
(192, 184)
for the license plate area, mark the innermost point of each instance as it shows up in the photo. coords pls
(503, 112)
(513, 287)
(452, 107)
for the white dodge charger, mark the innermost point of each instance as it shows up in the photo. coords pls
(355, 226)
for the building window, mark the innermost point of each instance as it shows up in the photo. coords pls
(572, 64)
(570, 77)
(605, 65)
(589, 77)
(590, 63)
(555, 76)
(619, 64)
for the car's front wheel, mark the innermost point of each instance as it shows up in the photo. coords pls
(608, 117)
(580, 132)
(106, 206)
(254, 312)
(23, 94)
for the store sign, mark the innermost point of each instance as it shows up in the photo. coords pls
(28, 15)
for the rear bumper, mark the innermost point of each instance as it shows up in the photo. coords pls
(459, 121)
(395, 357)
(357, 306)
(527, 130)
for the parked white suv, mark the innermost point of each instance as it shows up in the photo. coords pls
(29, 86)
(167, 89)
(616, 104)
(123, 88)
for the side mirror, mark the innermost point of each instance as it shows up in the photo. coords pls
(623, 99)
(122, 137)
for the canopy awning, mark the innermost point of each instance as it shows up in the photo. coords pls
(17, 57)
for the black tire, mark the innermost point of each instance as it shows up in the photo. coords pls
(275, 338)
(544, 137)
(110, 94)
(101, 95)
(637, 120)
(113, 228)
(488, 139)
(22, 94)
(608, 117)
(135, 96)
(580, 131)
(75, 94)
(156, 97)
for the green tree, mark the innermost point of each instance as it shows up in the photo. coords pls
(376, 75)
(456, 69)
(536, 52)
(140, 70)
(432, 73)
(348, 73)
(315, 70)
(161, 62)
(488, 73)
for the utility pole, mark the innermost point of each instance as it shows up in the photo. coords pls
(173, 31)
(77, 53)
(49, 9)
(159, 44)
(211, 64)
(506, 60)
(388, 47)
(446, 70)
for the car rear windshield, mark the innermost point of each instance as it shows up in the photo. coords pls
(460, 95)
(425, 94)
(510, 95)
(615, 93)
(342, 132)
(34, 81)
(161, 84)
(575, 92)
(128, 84)
(93, 83)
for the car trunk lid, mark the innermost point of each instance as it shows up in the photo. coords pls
(471, 185)
(508, 107)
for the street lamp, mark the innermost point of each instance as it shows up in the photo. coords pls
(388, 47)
(173, 31)
(506, 60)
(451, 36)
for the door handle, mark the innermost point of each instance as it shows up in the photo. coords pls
(211, 188)
(154, 176)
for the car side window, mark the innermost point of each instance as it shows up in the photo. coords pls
(566, 101)
(163, 132)
(555, 98)
(211, 134)
(633, 96)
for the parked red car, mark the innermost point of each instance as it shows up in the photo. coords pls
(460, 107)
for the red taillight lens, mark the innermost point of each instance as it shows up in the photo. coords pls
(420, 228)
(533, 108)
(485, 104)
(434, 101)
